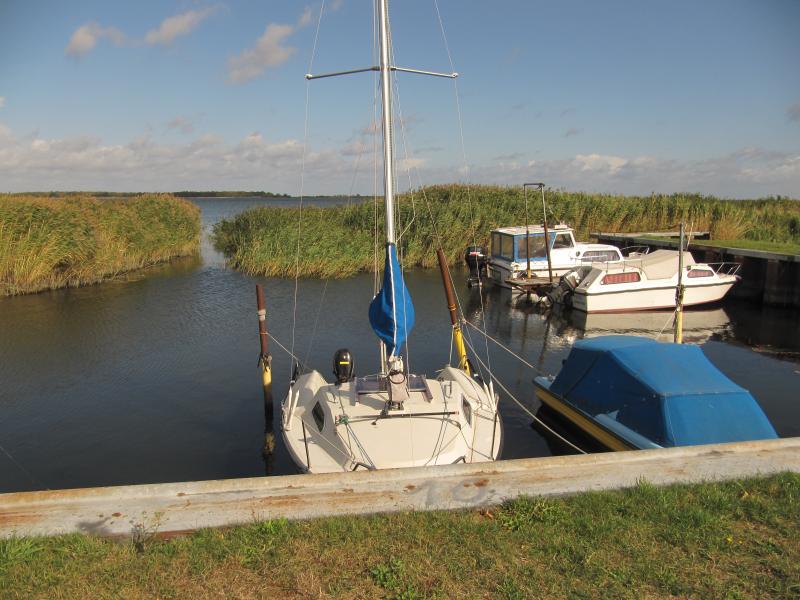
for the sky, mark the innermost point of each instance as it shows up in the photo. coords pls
(634, 97)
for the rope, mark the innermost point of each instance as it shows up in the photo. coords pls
(316, 320)
(30, 475)
(285, 349)
(509, 350)
(526, 410)
(302, 183)
(473, 221)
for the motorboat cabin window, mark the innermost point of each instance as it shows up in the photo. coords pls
(600, 256)
(700, 273)
(535, 245)
(563, 240)
(503, 246)
(628, 277)
(319, 415)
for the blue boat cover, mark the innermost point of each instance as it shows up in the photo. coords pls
(391, 312)
(669, 393)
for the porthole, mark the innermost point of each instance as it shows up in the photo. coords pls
(319, 415)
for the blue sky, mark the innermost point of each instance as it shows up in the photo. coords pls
(612, 96)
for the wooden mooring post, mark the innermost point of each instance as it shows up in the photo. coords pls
(265, 364)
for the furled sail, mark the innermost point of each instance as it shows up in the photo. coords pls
(391, 312)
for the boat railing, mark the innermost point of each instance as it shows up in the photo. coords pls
(725, 268)
(633, 251)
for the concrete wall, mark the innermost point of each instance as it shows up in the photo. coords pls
(179, 507)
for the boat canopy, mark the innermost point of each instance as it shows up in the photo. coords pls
(669, 393)
(663, 264)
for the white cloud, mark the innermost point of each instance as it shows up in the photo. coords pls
(793, 112)
(269, 51)
(178, 25)
(35, 162)
(85, 38)
(305, 18)
(2, 101)
(183, 124)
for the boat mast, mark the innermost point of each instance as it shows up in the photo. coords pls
(386, 104)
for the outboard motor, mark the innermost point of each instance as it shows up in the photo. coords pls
(476, 259)
(343, 366)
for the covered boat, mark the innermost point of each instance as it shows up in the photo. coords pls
(633, 393)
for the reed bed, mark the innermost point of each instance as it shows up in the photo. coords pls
(48, 243)
(339, 241)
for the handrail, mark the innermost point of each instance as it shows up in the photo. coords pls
(725, 268)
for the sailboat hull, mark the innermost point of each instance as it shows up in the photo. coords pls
(330, 428)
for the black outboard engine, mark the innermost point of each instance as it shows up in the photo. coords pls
(476, 259)
(343, 366)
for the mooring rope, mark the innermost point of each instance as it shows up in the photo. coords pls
(526, 410)
(19, 465)
(506, 348)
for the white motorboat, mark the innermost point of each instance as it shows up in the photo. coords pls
(649, 282)
(508, 255)
(393, 418)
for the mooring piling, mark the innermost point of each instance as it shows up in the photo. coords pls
(265, 364)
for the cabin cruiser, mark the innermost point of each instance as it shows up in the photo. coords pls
(629, 393)
(648, 282)
(508, 257)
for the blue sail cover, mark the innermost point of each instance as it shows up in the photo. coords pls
(391, 312)
(668, 393)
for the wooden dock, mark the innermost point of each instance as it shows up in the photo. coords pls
(173, 508)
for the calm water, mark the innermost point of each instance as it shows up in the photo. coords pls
(154, 378)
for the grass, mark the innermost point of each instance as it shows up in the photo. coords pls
(738, 539)
(339, 241)
(767, 246)
(48, 243)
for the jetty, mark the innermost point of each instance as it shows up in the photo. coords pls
(173, 508)
(771, 278)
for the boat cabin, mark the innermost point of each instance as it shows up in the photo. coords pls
(508, 243)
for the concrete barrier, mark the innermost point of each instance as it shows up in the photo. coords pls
(171, 508)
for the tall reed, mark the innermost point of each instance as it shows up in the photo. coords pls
(59, 242)
(339, 241)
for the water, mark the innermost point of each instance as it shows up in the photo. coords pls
(154, 378)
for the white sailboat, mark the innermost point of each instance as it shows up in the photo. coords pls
(393, 418)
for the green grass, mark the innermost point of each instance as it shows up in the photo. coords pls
(339, 241)
(778, 247)
(48, 243)
(738, 539)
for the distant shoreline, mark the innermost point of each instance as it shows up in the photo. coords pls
(181, 194)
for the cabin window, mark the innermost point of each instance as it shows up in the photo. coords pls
(600, 256)
(495, 244)
(535, 245)
(467, 409)
(700, 273)
(507, 247)
(563, 240)
(629, 277)
(319, 415)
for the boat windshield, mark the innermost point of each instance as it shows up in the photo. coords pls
(535, 246)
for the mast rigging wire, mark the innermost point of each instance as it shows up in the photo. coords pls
(302, 183)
